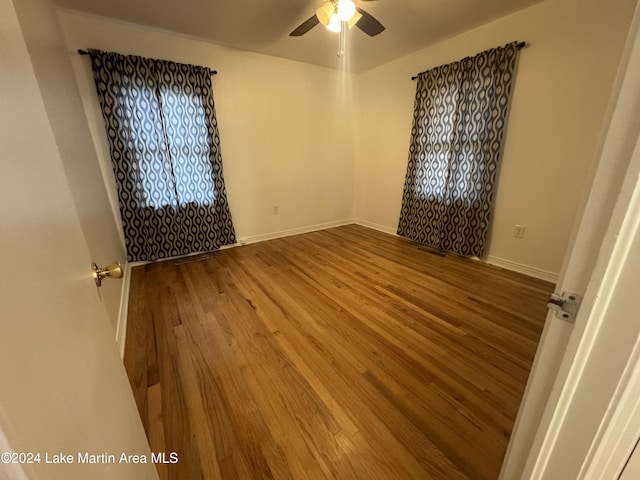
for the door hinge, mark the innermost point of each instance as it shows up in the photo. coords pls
(565, 306)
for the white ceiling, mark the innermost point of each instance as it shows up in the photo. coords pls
(264, 26)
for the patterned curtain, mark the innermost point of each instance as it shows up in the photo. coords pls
(456, 143)
(165, 149)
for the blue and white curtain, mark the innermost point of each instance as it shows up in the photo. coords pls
(165, 149)
(456, 142)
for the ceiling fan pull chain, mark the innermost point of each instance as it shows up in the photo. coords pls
(342, 40)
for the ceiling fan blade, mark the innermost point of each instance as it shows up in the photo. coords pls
(305, 26)
(368, 24)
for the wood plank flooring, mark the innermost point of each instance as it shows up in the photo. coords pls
(340, 354)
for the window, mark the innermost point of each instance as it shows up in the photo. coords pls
(165, 150)
(456, 142)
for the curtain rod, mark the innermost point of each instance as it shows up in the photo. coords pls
(84, 52)
(519, 46)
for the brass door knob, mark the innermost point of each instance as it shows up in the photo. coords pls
(113, 270)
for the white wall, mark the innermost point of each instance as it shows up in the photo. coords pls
(285, 129)
(560, 97)
(289, 137)
(56, 81)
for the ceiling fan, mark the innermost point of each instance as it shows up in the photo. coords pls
(332, 14)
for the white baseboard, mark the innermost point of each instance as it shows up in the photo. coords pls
(375, 226)
(121, 327)
(294, 231)
(524, 269)
(498, 262)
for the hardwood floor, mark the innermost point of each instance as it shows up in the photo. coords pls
(339, 354)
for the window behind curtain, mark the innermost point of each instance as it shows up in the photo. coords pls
(456, 142)
(165, 150)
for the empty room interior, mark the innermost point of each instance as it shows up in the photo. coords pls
(324, 234)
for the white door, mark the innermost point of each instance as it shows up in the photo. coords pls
(578, 366)
(64, 394)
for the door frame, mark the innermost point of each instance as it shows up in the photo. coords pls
(615, 437)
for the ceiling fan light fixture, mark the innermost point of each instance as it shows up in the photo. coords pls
(325, 12)
(335, 25)
(346, 9)
(354, 19)
(329, 14)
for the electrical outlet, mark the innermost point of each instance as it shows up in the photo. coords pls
(276, 209)
(518, 231)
